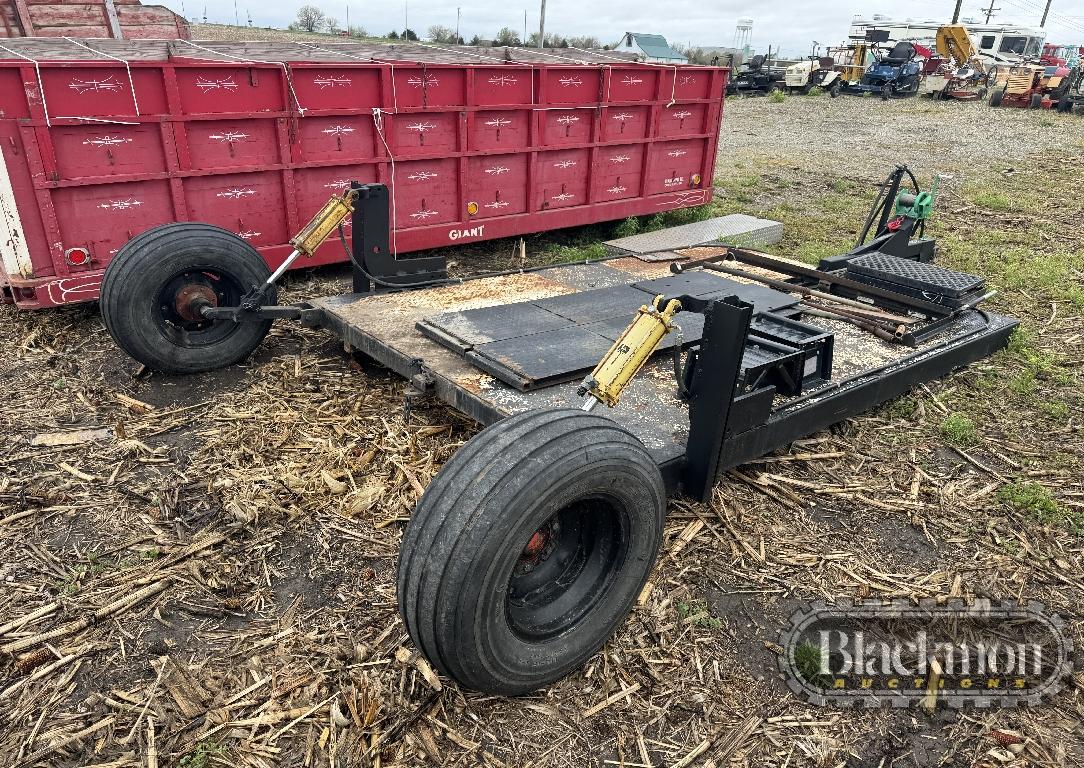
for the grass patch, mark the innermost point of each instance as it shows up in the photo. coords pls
(564, 254)
(1056, 410)
(959, 430)
(777, 97)
(628, 227)
(1036, 500)
(201, 756)
(902, 408)
(697, 611)
(816, 90)
(995, 200)
(678, 216)
(807, 660)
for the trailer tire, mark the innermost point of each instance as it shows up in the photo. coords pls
(141, 297)
(528, 549)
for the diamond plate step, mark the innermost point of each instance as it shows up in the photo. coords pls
(736, 228)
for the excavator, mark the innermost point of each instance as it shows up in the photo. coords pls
(957, 71)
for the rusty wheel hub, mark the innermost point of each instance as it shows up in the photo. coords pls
(191, 297)
(539, 547)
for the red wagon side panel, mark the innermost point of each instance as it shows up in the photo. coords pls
(107, 146)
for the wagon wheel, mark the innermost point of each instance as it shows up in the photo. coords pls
(529, 548)
(153, 288)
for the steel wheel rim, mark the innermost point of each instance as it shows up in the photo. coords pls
(172, 308)
(566, 569)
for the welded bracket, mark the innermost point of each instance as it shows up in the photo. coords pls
(376, 267)
(711, 391)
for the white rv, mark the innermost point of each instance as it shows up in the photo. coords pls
(996, 43)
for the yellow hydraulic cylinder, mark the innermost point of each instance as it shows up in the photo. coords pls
(323, 223)
(629, 353)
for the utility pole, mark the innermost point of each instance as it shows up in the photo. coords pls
(348, 17)
(524, 26)
(1046, 12)
(236, 18)
(406, 17)
(542, 26)
(457, 25)
(990, 11)
(956, 13)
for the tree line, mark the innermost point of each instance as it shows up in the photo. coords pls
(311, 18)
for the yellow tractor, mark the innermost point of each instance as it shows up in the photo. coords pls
(957, 71)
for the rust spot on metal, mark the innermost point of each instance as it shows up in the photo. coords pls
(186, 302)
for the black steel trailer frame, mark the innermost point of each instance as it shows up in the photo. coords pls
(726, 427)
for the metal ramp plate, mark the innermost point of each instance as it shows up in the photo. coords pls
(463, 330)
(586, 277)
(709, 285)
(600, 304)
(737, 228)
(541, 342)
(921, 276)
(543, 358)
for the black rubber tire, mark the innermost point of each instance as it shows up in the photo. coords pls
(886, 93)
(131, 244)
(834, 90)
(1065, 105)
(1036, 101)
(462, 550)
(143, 267)
(997, 96)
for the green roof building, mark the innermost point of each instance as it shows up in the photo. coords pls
(650, 47)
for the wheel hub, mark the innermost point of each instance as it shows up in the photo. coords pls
(186, 293)
(565, 568)
(539, 547)
(191, 297)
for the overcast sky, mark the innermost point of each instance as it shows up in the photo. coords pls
(792, 24)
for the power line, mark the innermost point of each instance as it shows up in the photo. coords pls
(1061, 19)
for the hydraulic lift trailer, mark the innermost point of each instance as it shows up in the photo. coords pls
(551, 494)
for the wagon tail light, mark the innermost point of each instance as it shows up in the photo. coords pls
(77, 257)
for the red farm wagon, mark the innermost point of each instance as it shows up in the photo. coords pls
(103, 139)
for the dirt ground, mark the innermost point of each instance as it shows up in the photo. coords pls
(200, 571)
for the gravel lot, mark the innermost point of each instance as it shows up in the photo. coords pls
(212, 566)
